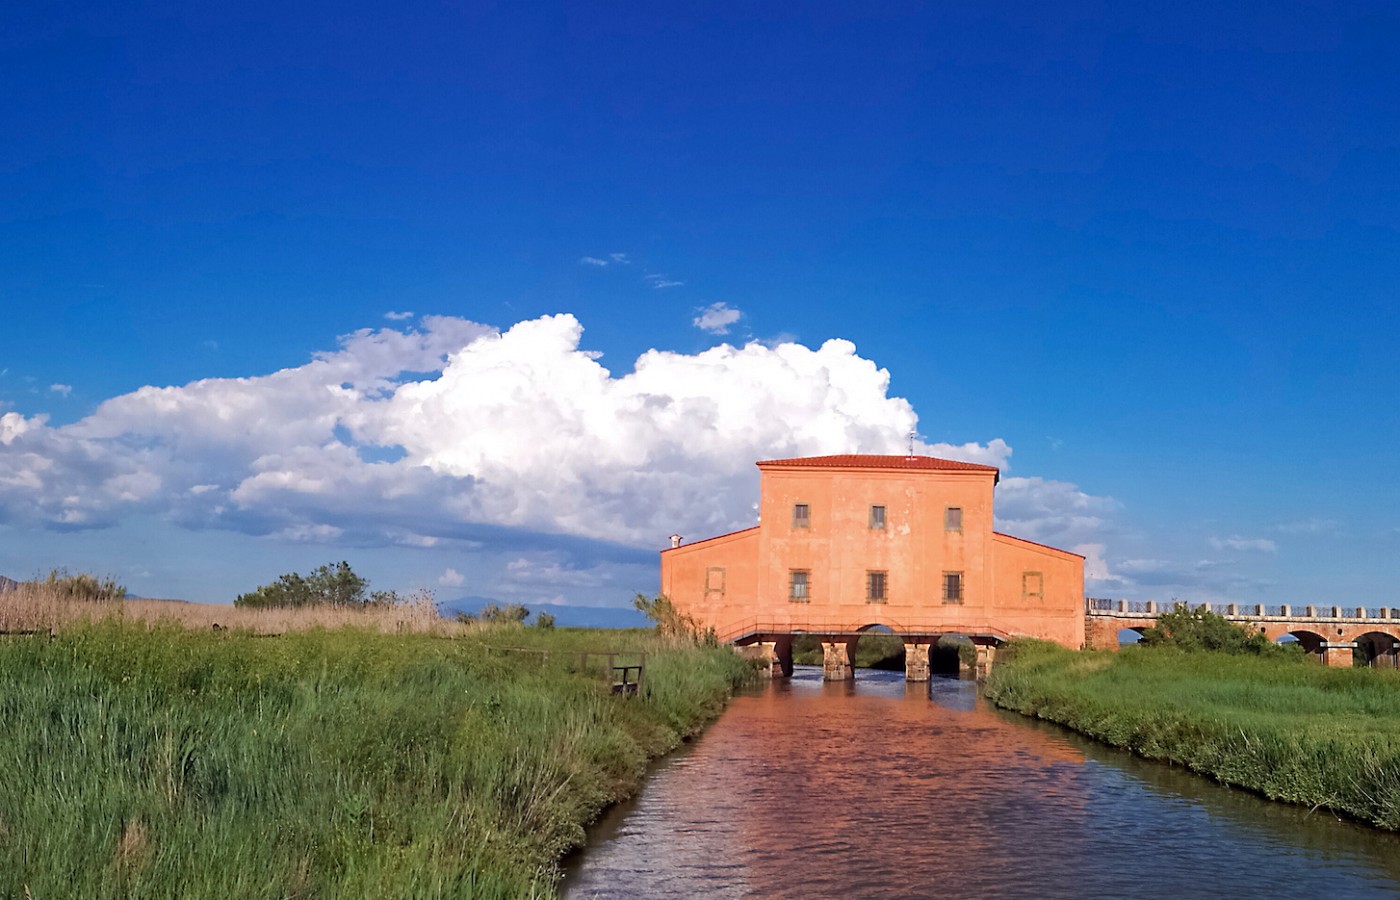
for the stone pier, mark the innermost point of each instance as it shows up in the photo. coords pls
(1338, 653)
(986, 657)
(836, 661)
(767, 654)
(916, 661)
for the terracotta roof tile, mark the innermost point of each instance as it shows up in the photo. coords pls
(869, 461)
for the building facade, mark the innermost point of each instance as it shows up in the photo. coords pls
(849, 542)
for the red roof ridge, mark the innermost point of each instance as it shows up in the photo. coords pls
(875, 461)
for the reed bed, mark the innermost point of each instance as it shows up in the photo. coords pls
(45, 606)
(143, 758)
(1286, 728)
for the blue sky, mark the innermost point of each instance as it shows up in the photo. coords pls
(1152, 249)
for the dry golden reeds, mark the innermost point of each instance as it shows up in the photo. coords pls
(38, 606)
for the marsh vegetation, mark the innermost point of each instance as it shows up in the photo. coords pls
(155, 756)
(1246, 714)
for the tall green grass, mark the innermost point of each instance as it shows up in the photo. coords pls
(163, 762)
(1286, 728)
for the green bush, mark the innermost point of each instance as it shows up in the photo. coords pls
(1200, 629)
(671, 622)
(329, 585)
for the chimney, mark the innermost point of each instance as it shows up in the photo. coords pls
(675, 540)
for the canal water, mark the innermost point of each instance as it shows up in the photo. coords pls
(878, 788)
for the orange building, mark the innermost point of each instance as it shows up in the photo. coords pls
(850, 542)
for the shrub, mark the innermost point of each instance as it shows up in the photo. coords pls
(671, 622)
(79, 587)
(496, 614)
(330, 585)
(1201, 629)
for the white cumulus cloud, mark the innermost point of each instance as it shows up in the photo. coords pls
(451, 578)
(1096, 572)
(716, 318)
(519, 435)
(1052, 512)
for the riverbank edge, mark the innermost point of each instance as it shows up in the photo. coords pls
(1344, 774)
(626, 790)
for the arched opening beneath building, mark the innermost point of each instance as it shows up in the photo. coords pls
(877, 647)
(1375, 650)
(807, 649)
(952, 654)
(1310, 642)
(1129, 636)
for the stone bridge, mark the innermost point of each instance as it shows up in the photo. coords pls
(1336, 635)
(772, 643)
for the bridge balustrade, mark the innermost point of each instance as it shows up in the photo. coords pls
(1150, 608)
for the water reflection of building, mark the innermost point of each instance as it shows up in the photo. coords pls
(848, 542)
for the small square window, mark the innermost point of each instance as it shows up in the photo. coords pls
(875, 585)
(801, 515)
(952, 587)
(952, 518)
(714, 580)
(1032, 585)
(798, 585)
(877, 518)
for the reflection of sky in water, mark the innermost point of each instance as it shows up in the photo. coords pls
(880, 788)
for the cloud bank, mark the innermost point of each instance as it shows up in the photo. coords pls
(454, 430)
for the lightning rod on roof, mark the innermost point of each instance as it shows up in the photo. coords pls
(912, 435)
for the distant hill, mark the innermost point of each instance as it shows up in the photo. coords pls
(565, 616)
(7, 584)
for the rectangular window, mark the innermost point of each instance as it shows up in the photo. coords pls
(801, 515)
(877, 518)
(952, 518)
(875, 586)
(952, 587)
(798, 585)
(714, 580)
(1032, 586)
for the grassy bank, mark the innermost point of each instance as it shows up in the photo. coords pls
(1287, 728)
(159, 761)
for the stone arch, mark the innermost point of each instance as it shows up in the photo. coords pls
(1130, 635)
(1376, 649)
(881, 649)
(947, 656)
(1310, 641)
